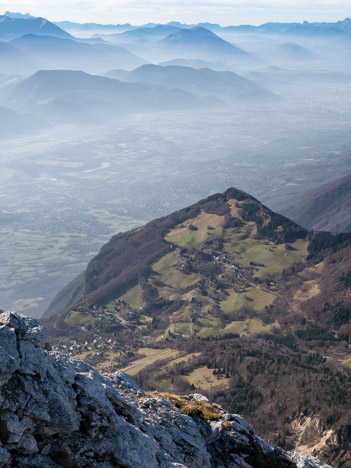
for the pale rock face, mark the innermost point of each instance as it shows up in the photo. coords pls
(55, 412)
(306, 462)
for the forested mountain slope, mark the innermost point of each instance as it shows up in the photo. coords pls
(328, 208)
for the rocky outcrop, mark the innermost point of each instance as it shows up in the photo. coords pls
(55, 412)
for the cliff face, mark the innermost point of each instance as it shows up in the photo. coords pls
(60, 413)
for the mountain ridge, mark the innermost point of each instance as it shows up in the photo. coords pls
(269, 27)
(175, 218)
(66, 52)
(12, 27)
(227, 86)
(326, 207)
(198, 36)
(66, 95)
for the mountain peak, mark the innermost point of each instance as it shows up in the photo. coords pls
(199, 36)
(13, 25)
(11, 14)
(130, 255)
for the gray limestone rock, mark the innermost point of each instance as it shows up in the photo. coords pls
(9, 359)
(55, 412)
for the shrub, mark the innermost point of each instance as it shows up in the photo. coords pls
(193, 408)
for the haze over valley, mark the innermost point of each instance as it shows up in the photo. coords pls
(175, 204)
(120, 139)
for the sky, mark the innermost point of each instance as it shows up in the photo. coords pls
(224, 12)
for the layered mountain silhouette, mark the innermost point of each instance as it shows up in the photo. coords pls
(143, 34)
(55, 52)
(83, 29)
(11, 14)
(290, 52)
(15, 60)
(60, 95)
(333, 29)
(336, 29)
(228, 86)
(195, 63)
(202, 43)
(166, 42)
(12, 27)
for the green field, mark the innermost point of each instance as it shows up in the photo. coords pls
(185, 237)
(133, 297)
(347, 362)
(183, 328)
(249, 327)
(203, 377)
(241, 327)
(167, 261)
(207, 324)
(109, 356)
(78, 319)
(185, 358)
(253, 297)
(165, 384)
(170, 275)
(178, 280)
(275, 258)
(151, 356)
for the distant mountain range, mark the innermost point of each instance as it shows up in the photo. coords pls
(200, 43)
(173, 36)
(45, 45)
(170, 42)
(41, 44)
(195, 63)
(55, 52)
(11, 14)
(147, 33)
(291, 52)
(227, 86)
(61, 96)
(16, 26)
(19, 24)
(15, 60)
(305, 28)
(93, 28)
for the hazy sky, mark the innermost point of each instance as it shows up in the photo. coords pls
(217, 11)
